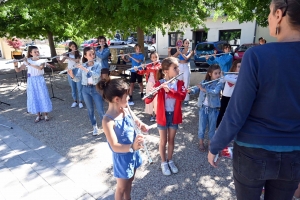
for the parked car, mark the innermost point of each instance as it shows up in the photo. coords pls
(91, 43)
(151, 48)
(116, 41)
(239, 51)
(206, 48)
(131, 40)
(43, 49)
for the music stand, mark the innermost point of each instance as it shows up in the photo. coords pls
(51, 84)
(16, 73)
(1, 102)
(6, 126)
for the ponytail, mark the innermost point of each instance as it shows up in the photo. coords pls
(159, 74)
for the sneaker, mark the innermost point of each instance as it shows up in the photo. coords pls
(152, 119)
(131, 103)
(74, 104)
(172, 166)
(165, 169)
(80, 105)
(95, 131)
(142, 95)
(130, 98)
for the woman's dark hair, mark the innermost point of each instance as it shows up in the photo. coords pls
(102, 38)
(30, 48)
(234, 65)
(289, 8)
(184, 41)
(77, 54)
(165, 65)
(110, 88)
(86, 49)
(210, 70)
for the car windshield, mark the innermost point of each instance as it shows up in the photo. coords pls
(243, 48)
(205, 47)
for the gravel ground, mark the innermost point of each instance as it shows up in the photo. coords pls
(69, 132)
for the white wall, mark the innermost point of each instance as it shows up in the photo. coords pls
(247, 33)
(264, 32)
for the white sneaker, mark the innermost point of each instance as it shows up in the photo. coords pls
(80, 105)
(74, 104)
(131, 103)
(172, 166)
(165, 169)
(95, 131)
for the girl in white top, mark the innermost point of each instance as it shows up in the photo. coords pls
(73, 57)
(38, 99)
(230, 80)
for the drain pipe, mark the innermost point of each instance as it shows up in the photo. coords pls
(254, 37)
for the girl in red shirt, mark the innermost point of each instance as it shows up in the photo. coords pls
(169, 115)
(151, 70)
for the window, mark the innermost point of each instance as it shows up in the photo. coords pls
(230, 36)
(205, 47)
(174, 37)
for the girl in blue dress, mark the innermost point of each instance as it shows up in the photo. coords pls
(119, 128)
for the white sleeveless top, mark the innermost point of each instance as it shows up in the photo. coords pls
(33, 71)
(71, 63)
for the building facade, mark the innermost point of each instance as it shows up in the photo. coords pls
(232, 32)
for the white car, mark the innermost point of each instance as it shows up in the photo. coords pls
(117, 42)
(43, 49)
(151, 47)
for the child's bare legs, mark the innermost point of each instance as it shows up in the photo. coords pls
(131, 89)
(141, 87)
(162, 144)
(123, 190)
(171, 138)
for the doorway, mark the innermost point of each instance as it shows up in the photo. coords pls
(198, 37)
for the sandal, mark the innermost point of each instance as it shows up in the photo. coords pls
(46, 118)
(202, 148)
(37, 119)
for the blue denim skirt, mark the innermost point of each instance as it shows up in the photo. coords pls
(169, 124)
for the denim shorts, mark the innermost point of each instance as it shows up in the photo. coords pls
(169, 124)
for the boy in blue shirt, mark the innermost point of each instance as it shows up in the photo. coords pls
(136, 60)
(224, 61)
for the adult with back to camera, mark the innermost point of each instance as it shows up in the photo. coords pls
(263, 115)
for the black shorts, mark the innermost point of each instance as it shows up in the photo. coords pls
(134, 76)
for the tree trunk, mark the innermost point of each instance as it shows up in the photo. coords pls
(51, 44)
(140, 37)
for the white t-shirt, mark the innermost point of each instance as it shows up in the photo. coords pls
(33, 71)
(229, 84)
(169, 101)
(90, 80)
(71, 63)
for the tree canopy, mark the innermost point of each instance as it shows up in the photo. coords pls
(63, 19)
